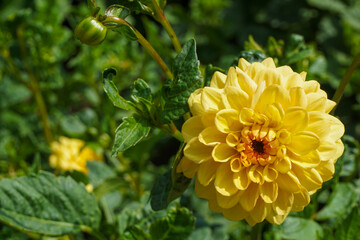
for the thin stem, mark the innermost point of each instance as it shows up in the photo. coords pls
(256, 231)
(145, 44)
(344, 81)
(35, 88)
(160, 16)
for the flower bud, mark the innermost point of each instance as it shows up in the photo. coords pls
(90, 31)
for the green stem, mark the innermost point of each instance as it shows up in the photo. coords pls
(35, 88)
(145, 44)
(256, 231)
(160, 16)
(344, 81)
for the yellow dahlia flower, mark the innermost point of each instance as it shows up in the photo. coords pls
(71, 154)
(260, 141)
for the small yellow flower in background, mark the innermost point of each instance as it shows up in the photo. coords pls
(260, 141)
(71, 154)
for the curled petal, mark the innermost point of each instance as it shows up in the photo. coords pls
(246, 83)
(191, 128)
(309, 160)
(227, 121)
(206, 172)
(309, 178)
(269, 192)
(270, 174)
(223, 183)
(243, 64)
(241, 179)
(223, 153)
(273, 94)
(211, 136)
(303, 142)
(301, 199)
(197, 152)
(283, 203)
(236, 98)
(194, 102)
(288, 182)
(250, 196)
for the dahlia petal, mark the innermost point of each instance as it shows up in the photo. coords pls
(268, 62)
(275, 113)
(337, 128)
(236, 98)
(227, 201)
(223, 153)
(243, 64)
(206, 172)
(257, 94)
(320, 124)
(295, 119)
(233, 139)
(303, 142)
(211, 99)
(255, 175)
(250, 196)
(235, 213)
(187, 167)
(311, 86)
(218, 80)
(273, 94)
(285, 70)
(288, 182)
(293, 80)
(208, 119)
(235, 164)
(283, 203)
(241, 179)
(309, 178)
(254, 69)
(227, 121)
(213, 206)
(211, 136)
(316, 102)
(303, 75)
(301, 199)
(191, 128)
(270, 174)
(247, 116)
(260, 211)
(283, 165)
(329, 105)
(194, 102)
(269, 192)
(326, 169)
(231, 80)
(246, 83)
(223, 183)
(206, 192)
(270, 76)
(197, 152)
(327, 150)
(298, 97)
(309, 160)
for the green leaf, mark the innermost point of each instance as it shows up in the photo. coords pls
(169, 186)
(252, 55)
(72, 126)
(98, 172)
(109, 185)
(350, 156)
(47, 205)
(94, 10)
(341, 200)
(136, 6)
(177, 225)
(126, 31)
(141, 90)
(349, 228)
(112, 91)
(295, 228)
(117, 10)
(134, 233)
(187, 78)
(129, 133)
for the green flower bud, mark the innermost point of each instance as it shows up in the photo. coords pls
(90, 31)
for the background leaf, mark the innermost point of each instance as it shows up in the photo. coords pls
(47, 205)
(130, 132)
(187, 78)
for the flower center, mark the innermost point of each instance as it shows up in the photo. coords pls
(258, 146)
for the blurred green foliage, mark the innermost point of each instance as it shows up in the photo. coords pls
(38, 51)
